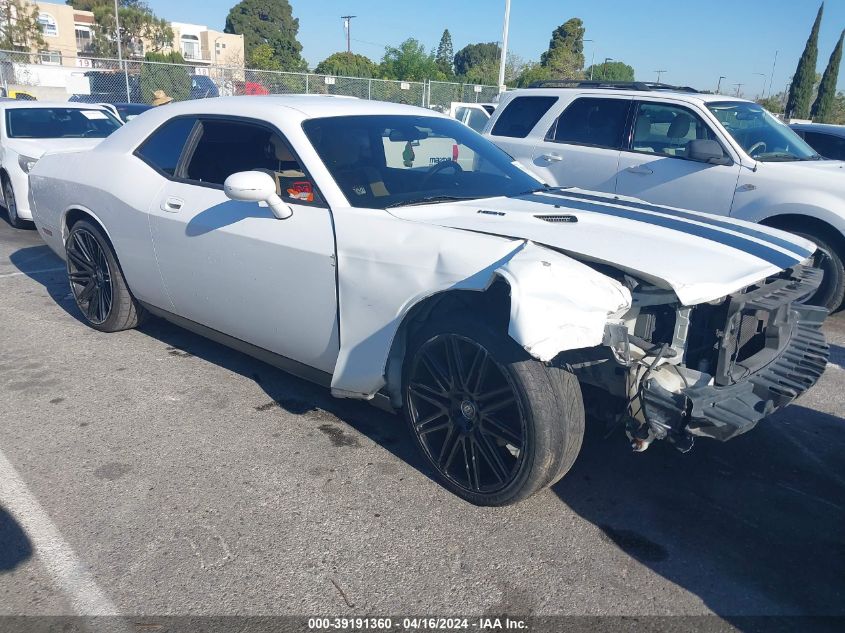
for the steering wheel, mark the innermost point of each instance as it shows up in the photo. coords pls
(758, 145)
(443, 165)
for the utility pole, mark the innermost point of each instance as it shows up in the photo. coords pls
(604, 67)
(738, 88)
(772, 76)
(719, 85)
(763, 75)
(504, 58)
(659, 72)
(120, 52)
(347, 24)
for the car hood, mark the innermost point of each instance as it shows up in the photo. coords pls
(701, 257)
(37, 147)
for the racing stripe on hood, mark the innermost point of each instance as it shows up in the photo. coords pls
(687, 215)
(766, 253)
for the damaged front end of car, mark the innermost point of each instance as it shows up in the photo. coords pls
(710, 370)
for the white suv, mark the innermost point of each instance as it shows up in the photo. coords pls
(676, 147)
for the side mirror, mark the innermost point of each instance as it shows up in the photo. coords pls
(256, 186)
(706, 151)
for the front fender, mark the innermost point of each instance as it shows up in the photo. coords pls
(557, 303)
(823, 206)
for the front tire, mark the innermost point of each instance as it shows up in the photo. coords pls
(494, 424)
(831, 293)
(12, 207)
(97, 282)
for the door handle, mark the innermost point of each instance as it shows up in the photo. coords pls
(172, 205)
(639, 169)
(552, 158)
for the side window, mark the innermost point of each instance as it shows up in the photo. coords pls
(164, 146)
(827, 145)
(477, 119)
(665, 129)
(521, 115)
(228, 147)
(589, 121)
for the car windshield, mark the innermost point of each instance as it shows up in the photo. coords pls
(59, 123)
(389, 161)
(761, 135)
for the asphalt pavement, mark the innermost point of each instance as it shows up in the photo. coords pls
(153, 472)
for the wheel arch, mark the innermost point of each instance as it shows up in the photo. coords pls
(795, 222)
(74, 214)
(494, 302)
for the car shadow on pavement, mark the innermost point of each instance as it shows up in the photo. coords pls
(754, 526)
(295, 395)
(41, 264)
(15, 546)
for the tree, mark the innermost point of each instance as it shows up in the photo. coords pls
(271, 23)
(610, 71)
(263, 57)
(347, 65)
(167, 73)
(773, 103)
(823, 105)
(801, 90)
(445, 54)
(409, 62)
(565, 57)
(477, 59)
(139, 27)
(19, 26)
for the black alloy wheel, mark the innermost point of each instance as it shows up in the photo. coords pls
(464, 409)
(90, 275)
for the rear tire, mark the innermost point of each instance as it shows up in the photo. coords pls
(12, 207)
(495, 424)
(97, 282)
(831, 293)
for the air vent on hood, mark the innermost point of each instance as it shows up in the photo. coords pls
(557, 218)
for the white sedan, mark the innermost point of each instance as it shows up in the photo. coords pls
(29, 129)
(483, 304)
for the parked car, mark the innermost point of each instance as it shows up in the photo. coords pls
(827, 140)
(203, 87)
(475, 115)
(126, 111)
(475, 299)
(30, 129)
(18, 95)
(676, 147)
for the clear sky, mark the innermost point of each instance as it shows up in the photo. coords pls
(693, 41)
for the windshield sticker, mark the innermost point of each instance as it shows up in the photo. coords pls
(94, 115)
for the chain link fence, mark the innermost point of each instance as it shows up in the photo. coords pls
(50, 76)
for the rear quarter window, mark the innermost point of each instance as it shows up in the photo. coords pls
(521, 115)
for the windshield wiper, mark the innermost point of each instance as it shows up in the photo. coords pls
(429, 200)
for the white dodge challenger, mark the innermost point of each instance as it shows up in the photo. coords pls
(395, 255)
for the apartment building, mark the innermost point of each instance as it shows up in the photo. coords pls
(67, 32)
(202, 46)
(68, 36)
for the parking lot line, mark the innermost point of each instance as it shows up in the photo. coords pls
(32, 272)
(65, 569)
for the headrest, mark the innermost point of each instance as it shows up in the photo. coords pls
(680, 126)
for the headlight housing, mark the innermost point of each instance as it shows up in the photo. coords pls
(26, 163)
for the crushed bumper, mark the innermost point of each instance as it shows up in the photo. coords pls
(792, 357)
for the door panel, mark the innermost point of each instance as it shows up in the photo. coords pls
(563, 165)
(582, 148)
(655, 167)
(233, 267)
